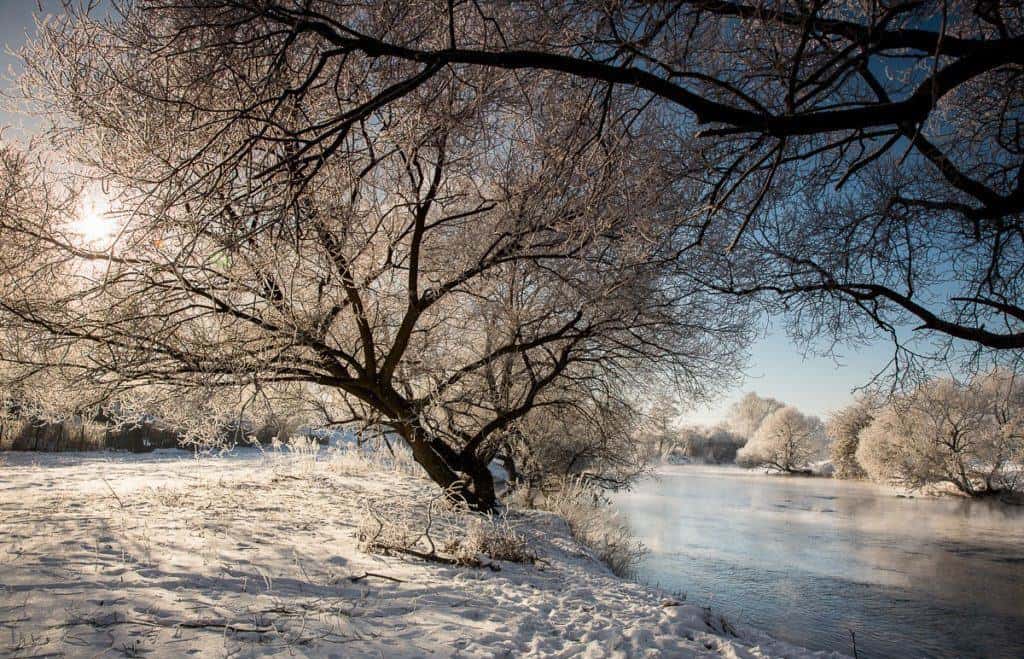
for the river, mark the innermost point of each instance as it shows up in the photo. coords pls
(809, 559)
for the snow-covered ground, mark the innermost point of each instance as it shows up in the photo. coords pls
(168, 555)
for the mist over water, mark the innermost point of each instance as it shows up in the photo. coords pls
(808, 559)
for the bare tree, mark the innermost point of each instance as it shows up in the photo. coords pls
(898, 122)
(659, 428)
(787, 441)
(284, 221)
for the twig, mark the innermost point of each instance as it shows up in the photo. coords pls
(109, 487)
(354, 578)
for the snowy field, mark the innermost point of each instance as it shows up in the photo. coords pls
(168, 555)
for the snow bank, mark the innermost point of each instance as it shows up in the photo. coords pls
(168, 555)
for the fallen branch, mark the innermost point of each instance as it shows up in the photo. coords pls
(231, 627)
(433, 557)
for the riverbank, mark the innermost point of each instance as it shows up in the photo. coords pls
(825, 469)
(166, 555)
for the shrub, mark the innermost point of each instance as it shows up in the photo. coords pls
(442, 532)
(75, 434)
(494, 536)
(716, 445)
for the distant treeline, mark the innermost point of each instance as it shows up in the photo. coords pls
(708, 445)
(82, 435)
(77, 434)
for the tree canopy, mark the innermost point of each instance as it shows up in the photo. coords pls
(446, 263)
(864, 158)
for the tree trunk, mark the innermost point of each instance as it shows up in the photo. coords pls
(483, 487)
(509, 463)
(471, 483)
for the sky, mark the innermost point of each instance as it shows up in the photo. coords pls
(815, 384)
(16, 20)
(777, 368)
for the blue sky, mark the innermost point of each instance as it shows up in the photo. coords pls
(813, 383)
(16, 19)
(777, 368)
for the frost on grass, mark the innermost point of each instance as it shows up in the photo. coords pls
(443, 531)
(259, 554)
(594, 524)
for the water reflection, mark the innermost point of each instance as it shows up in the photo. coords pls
(809, 559)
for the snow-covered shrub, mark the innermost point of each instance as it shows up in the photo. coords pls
(970, 437)
(494, 536)
(595, 525)
(844, 427)
(787, 441)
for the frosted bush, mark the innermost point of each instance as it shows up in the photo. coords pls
(844, 427)
(716, 445)
(970, 437)
(443, 532)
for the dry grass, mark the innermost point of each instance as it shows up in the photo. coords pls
(442, 531)
(498, 538)
(595, 525)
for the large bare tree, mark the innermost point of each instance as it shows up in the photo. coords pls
(866, 155)
(447, 253)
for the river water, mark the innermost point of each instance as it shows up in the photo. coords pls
(809, 559)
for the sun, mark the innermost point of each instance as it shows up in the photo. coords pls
(93, 223)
